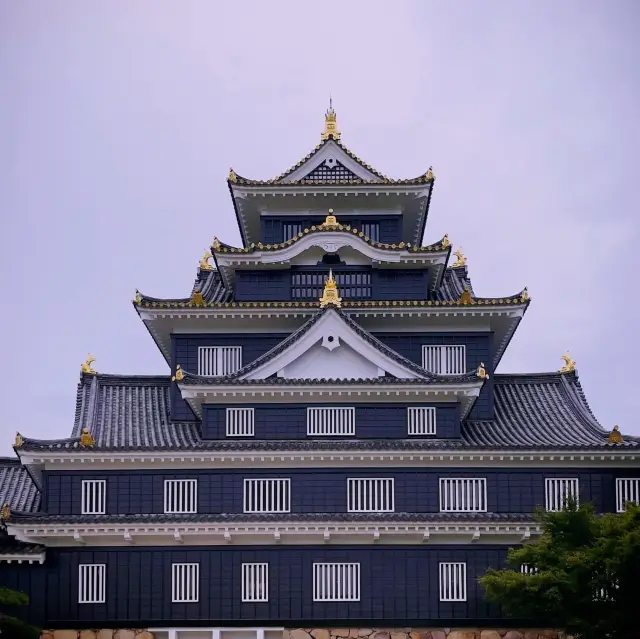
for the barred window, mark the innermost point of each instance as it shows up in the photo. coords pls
(94, 496)
(453, 581)
(557, 491)
(92, 585)
(370, 495)
(255, 582)
(627, 490)
(267, 495)
(331, 421)
(445, 360)
(239, 422)
(525, 569)
(371, 230)
(290, 230)
(463, 495)
(421, 420)
(216, 361)
(185, 583)
(180, 495)
(336, 582)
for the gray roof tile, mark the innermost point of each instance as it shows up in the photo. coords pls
(17, 489)
(540, 411)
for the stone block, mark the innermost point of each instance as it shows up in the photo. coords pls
(462, 634)
(65, 634)
(399, 635)
(490, 634)
(320, 633)
(46, 634)
(145, 634)
(299, 633)
(125, 633)
(87, 634)
(514, 634)
(382, 635)
(438, 634)
(364, 632)
(339, 632)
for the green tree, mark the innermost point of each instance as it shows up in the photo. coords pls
(10, 627)
(586, 574)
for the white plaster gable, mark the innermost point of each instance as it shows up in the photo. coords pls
(331, 349)
(330, 153)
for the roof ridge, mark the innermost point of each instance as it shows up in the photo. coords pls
(580, 404)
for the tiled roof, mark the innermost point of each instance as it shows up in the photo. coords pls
(453, 284)
(280, 518)
(17, 489)
(424, 375)
(10, 546)
(544, 411)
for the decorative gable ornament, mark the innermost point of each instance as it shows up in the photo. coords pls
(330, 124)
(615, 436)
(569, 364)
(86, 366)
(330, 295)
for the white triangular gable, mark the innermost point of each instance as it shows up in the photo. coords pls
(328, 155)
(331, 349)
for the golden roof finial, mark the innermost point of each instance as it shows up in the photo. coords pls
(445, 241)
(615, 436)
(138, 298)
(232, 177)
(569, 364)
(197, 299)
(86, 439)
(215, 244)
(330, 124)
(5, 513)
(86, 366)
(481, 371)
(429, 176)
(330, 295)
(204, 262)
(465, 296)
(330, 221)
(461, 261)
(19, 441)
(179, 376)
(524, 296)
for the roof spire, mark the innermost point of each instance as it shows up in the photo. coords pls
(330, 124)
(330, 294)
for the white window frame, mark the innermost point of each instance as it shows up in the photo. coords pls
(218, 361)
(451, 358)
(240, 422)
(180, 496)
(266, 495)
(558, 489)
(421, 420)
(255, 582)
(463, 494)
(336, 581)
(185, 582)
(526, 569)
(452, 577)
(627, 490)
(370, 494)
(94, 496)
(92, 583)
(331, 421)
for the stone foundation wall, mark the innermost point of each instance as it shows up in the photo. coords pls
(96, 634)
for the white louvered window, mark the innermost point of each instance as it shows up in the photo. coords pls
(608, 593)
(557, 491)
(255, 582)
(463, 495)
(445, 360)
(336, 582)
(185, 583)
(290, 230)
(627, 490)
(267, 495)
(240, 422)
(92, 584)
(214, 361)
(370, 495)
(453, 581)
(180, 495)
(421, 420)
(331, 421)
(94, 496)
(525, 569)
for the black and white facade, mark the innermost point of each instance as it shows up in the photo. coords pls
(331, 445)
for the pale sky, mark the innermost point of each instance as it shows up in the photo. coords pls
(119, 120)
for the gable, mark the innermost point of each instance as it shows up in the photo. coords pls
(331, 171)
(331, 349)
(327, 159)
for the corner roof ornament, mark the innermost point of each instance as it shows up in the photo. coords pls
(204, 262)
(86, 366)
(86, 439)
(569, 364)
(330, 222)
(330, 124)
(615, 436)
(461, 261)
(330, 295)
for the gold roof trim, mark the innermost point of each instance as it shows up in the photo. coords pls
(5, 513)
(204, 262)
(569, 364)
(461, 261)
(330, 295)
(19, 441)
(86, 439)
(86, 365)
(330, 124)
(615, 436)
(179, 375)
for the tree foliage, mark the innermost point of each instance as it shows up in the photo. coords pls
(587, 574)
(10, 627)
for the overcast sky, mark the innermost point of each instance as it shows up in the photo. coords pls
(119, 120)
